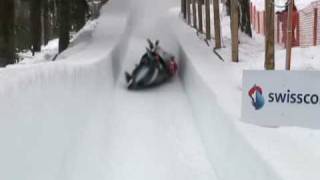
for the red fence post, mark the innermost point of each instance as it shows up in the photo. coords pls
(315, 27)
(258, 16)
(298, 30)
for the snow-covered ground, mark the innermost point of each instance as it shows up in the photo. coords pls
(47, 54)
(74, 119)
(50, 51)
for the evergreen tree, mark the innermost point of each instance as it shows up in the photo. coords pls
(183, 8)
(245, 24)
(53, 19)
(46, 22)
(22, 25)
(80, 11)
(7, 50)
(64, 7)
(244, 9)
(35, 17)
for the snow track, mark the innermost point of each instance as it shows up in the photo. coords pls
(77, 120)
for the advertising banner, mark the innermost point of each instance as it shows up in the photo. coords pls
(281, 98)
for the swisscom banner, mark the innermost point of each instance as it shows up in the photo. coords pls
(281, 98)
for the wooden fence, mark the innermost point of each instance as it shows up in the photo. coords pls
(306, 25)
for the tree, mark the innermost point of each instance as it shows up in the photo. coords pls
(46, 22)
(188, 11)
(35, 17)
(7, 50)
(200, 4)
(290, 5)
(217, 28)
(207, 12)
(244, 13)
(54, 25)
(194, 13)
(183, 9)
(22, 25)
(269, 39)
(80, 10)
(234, 30)
(64, 24)
(245, 24)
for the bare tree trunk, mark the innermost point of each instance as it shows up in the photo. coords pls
(183, 9)
(269, 39)
(217, 28)
(64, 24)
(53, 19)
(289, 35)
(234, 30)
(188, 11)
(245, 23)
(35, 15)
(194, 13)
(208, 28)
(244, 13)
(7, 47)
(81, 8)
(200, 4)
(46, 22)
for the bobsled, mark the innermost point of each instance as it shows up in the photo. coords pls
(156, 66)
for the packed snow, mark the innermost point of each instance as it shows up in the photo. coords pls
(74, 119)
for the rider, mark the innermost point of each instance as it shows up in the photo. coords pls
(161, 66)
(166, 59)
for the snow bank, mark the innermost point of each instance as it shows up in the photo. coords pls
(47, 54)
(45, 107)
(230, 154)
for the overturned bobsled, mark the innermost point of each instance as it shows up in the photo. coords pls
(156, 66)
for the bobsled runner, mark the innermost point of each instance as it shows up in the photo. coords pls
(156, 67)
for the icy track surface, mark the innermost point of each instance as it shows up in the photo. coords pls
(73, 119)
(154, 135)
